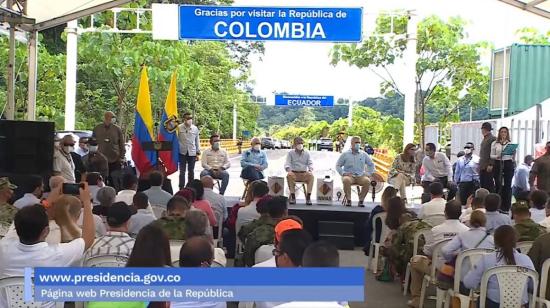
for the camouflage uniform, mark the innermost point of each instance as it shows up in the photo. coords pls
(249, 227)
(264, 234)
(528, 230)
(7, 211)
(173, 226)
(401, 250)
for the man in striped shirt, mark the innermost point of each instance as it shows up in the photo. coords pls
(116, 241)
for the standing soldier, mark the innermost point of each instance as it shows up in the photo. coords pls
(110, 143)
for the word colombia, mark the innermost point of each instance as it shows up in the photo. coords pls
(277, 30)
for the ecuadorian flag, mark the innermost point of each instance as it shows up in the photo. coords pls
(168, 129)
(143, 127)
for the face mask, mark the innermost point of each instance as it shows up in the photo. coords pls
(56, 144)
(299, 147)
(68, 149)
(113, 120)
(467, 151)
(93, 148)
(256, 147)
(357, 146)
(216, 145)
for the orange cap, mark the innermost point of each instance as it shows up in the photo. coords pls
(285, 225)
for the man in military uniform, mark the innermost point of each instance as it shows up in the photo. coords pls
(173, 223)
(94, 161)
(264, 233)
(111, 144)
(527, 229)
(7, 211)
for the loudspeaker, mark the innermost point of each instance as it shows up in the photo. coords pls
(26, 147)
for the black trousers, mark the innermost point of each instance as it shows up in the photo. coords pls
(465, 190)
(445, 182)
(486, 180)
(115, 176)
(187, 163)
(503, 172)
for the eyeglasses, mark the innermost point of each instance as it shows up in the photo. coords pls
(468, 148)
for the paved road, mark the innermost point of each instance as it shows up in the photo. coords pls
(323, 164)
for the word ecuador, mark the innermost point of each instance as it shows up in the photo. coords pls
(250, 23)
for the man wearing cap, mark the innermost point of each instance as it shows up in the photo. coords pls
(299, 166)
(116, 241)
(486, 178)
(253, 161)
(188, 137)
(467, 173)
(63, 163)
(7, 211)
(264, 233)
(289, 223)
(526, 228)
(94, 161)
(110, 141)
(82, 147)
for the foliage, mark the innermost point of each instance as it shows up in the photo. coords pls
(534, 36)
(449, 73)
(370, 125)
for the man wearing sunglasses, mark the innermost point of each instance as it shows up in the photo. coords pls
(467, 173)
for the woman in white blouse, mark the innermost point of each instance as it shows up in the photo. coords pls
(503, 168)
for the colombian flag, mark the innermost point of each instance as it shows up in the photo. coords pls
(168, 129)
(143, 127)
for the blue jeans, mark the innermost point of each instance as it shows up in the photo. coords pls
(187, 162)
(222, 175)
(250, 173)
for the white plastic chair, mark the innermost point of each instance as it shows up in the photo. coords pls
(375, 246)
(435, 219)
(158, 211)
(416, 240)
(467, 257)
(175, 247)
(106, 261)
(13, 287)
(264, 253)
(512, 280)
(543, 283)
(432, 277)
(219, 240)
(524, 247)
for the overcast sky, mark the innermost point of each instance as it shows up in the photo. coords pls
(303, 68)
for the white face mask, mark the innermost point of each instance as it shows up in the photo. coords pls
(188, 122)
(299, 147)
(68, 149)
(257, 147)
(113, 120)
(93, 148)
(467, 151)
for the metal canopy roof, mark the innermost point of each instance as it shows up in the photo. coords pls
(538, 7)
(36, 15)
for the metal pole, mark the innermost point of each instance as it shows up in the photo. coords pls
(350, 113)
(33, 70)
(235, 121)
(10, 108)
(410, 87)
(503, 83)
(70, 89)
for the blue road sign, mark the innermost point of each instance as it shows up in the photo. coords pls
(270, 23)
(304, 100)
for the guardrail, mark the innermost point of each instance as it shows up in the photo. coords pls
(229, 145)
(382, 162)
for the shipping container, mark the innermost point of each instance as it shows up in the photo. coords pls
(520, 75)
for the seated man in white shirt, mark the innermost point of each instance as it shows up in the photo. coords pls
(143, 217)
(156, 195)
(420, 264)
(436, 206)
(117, 241)
(34, 188)
(217, 201)
(216, 163)
(197, 252)
(248, 213)
(129, 188)
(438, 168)
(478, 203)
(31, 224)
(95, 182)
(196, 224)
(538, 200)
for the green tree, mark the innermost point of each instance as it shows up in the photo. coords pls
(534, 36)
(449, 73)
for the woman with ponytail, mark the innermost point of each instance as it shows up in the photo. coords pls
(505, 254)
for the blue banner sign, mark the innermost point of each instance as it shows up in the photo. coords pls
(270, 23)
(304, 100)
(194, 284)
